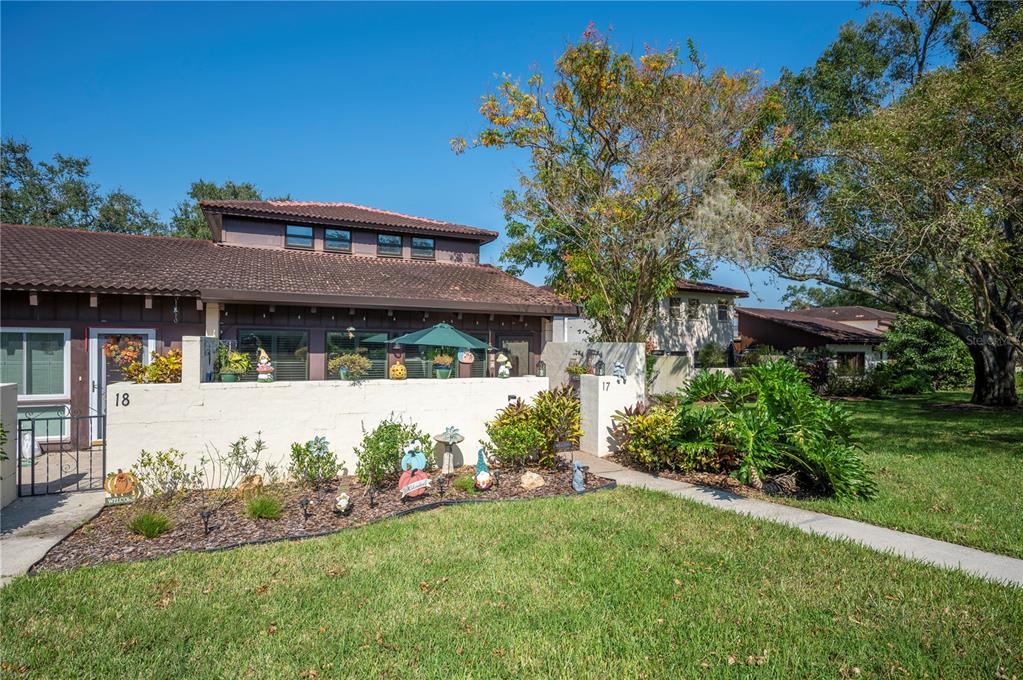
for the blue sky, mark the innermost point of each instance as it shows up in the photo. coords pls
(337, 102)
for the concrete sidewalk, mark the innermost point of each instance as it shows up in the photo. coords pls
(948, 555)
(32, 525)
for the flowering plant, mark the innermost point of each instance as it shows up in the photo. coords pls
(123, 350)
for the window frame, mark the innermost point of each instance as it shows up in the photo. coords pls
(401, 245)
(326, 240)
(253, 353)
(39, 398)
(723, 306)
(675, 307)
(311, 237)
(433, 247)
(693, 309)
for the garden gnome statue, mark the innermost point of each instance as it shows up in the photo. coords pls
(483, 478)
(618, 371)
(264, 369)
(504, 366)
(579, 476)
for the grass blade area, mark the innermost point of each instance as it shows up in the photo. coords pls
(954, 474)
(626, 583)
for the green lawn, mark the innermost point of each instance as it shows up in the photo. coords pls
(954, 475)
(617, 584)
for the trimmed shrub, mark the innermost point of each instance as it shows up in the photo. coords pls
(313, 462)
(379, 454)
(149, 524)
(523, 433)
(263, 507)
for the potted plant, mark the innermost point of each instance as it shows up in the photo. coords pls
(574, 370)
(349, 366)
(442, 365)
(234, 365)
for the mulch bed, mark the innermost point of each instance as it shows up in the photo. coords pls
(106, 537)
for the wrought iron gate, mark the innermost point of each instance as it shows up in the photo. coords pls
(57, 454)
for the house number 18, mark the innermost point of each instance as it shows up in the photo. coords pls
(122, 399)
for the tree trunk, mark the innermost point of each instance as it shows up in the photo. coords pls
(994, 374)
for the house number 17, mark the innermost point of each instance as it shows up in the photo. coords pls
(122, 399)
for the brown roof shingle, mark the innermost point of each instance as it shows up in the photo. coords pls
(344, 213)
(831, 330)
(46, 258)
(701, 287)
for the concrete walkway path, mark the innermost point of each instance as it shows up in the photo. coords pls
(948, 555)
(32, 525)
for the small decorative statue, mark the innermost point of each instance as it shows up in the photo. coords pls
(449, 438)
(343, 504)
(504, 366)
(264, 369)
(483, 478)
(618, 371)
(579, 476)
(413, 481)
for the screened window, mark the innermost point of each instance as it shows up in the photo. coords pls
(373, 346)
(693, 309)
(288, 350)
(389, 245)
(675, 307)
(423, 248)
(37, 361)
(298, 237)
(339, 240)
(722, 310)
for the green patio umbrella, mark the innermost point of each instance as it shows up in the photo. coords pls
(441, 335)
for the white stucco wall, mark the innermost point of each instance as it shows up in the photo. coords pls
(599, 398)
(689, 335)
(191, 415)
(558, 355)
(9, 467)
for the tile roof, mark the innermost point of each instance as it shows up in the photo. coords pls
(833, 331)
(343, 213)
(700, 287)
(51, 259)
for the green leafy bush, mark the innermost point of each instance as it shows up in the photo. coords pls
(149, 524)
(313, 462)
(923, 357)
(379, 454)
(711, 356)
(163, 473)
(263, 506)
(355, 366)
(522, 433)
(769, 422)
(466, 485)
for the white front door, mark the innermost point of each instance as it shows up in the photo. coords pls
(110, 351)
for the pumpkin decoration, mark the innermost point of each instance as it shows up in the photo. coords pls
(121, 487)
(398, 372)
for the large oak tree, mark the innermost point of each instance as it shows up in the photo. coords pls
(908, 184)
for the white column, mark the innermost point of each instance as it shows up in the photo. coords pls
(600, 396)
(9, 419)
(213, 319)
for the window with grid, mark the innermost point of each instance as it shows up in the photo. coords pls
(722, 310)
(36, 361)
(298, 237)
(371, 345)
(389, 245)
(423, 248)
(337, 240)
(675, 307)
(288, 350)
(693, 309)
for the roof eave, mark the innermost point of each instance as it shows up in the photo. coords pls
(323, 300)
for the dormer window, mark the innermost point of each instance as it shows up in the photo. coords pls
(388, 245)
(298, 237)
(423, 248)
(337, 240)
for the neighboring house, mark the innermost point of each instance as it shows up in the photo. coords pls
(303, 280)
(853, 334)
(697, 314)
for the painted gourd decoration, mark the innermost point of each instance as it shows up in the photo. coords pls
(120, 483)
(413, 481)
(398, 372)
